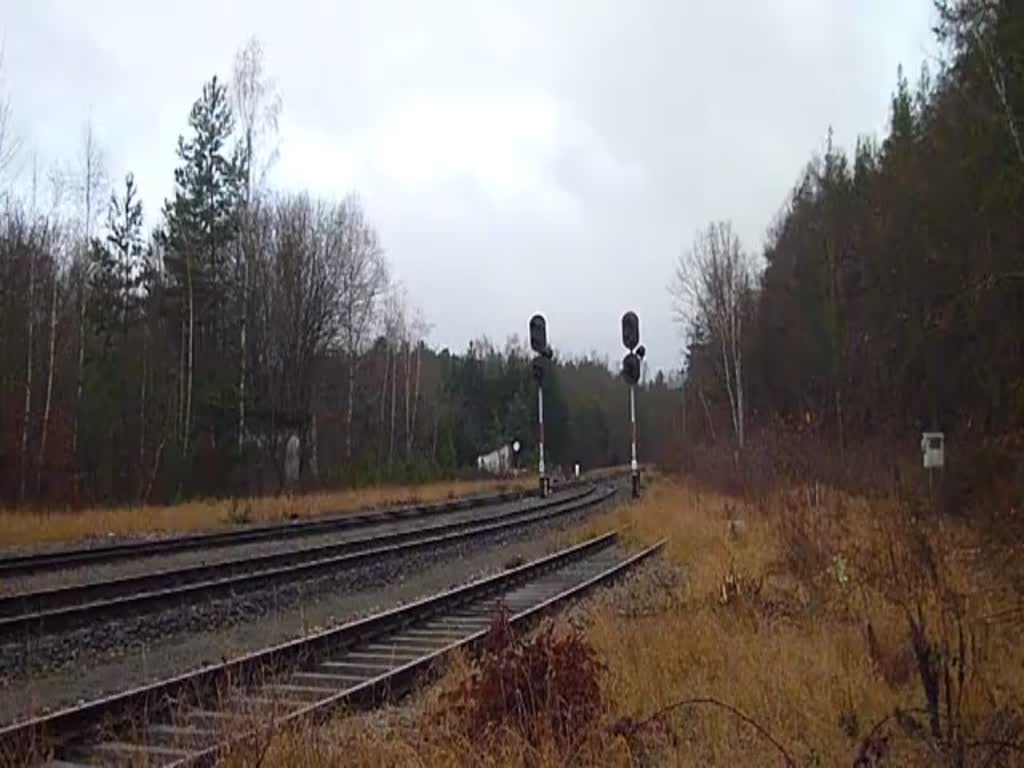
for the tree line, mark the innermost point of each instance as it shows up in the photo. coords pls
(248, 341)
(891, 295)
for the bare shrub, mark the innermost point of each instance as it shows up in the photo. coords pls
(546, 686)
(780, 454)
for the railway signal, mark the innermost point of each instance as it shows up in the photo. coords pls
(630, 330)
(538, 334)
(539, 344)
(631, 367)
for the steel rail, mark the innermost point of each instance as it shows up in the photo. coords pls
(180, 721)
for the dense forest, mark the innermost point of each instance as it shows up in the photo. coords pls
(151, 354)
(890, 299)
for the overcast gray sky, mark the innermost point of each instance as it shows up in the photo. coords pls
(551, 156)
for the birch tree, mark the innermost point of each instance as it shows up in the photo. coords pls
(90, 178)
(29, 329)
(57, 243)
(9, 142)
(257, 108)
(363, 283)
(710, 293)
(418, 329)
(396, 336)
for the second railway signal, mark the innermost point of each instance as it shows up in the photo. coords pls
(539, 334)
(631, 368)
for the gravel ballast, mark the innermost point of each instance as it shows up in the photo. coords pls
(43, 673)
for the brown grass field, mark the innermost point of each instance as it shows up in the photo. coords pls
(811, 629)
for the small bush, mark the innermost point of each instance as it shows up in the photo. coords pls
(239, 512)
(543, 687)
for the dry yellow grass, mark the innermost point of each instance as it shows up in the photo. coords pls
(777, 626)
(27, 526)
(771, 616)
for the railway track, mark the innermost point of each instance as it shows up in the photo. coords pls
(30, 614)
(192, 719)
(20, 565)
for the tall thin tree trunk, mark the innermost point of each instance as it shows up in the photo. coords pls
(180, 411)
(737, 362)
(391, 432)
(839, 422)
(191, 346)
(80, 370)
(89, 182)
(707, 415)
(407, 357)
(384, 395)
(415, 403)
(433, 434)
(351, 406)
(243, 367)
(49, 385)
(999, 85)
(155, 469)
(314, 450)
(739, 398)
(245, 79)
(683, 400)
(142, 413)
(834, 292)
(28, 377)
(729, 386)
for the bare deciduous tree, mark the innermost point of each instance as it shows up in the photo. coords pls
(256, 104)
(418, 329)
(30, 325)
(710, 293)
(90, 178)
(364, 281)
(57, 244)
(396, 336)
(402, 329)
(9, 142)
(257, 107)
(303, 260)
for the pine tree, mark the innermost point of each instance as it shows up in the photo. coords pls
(901, 114)
(202, 219)
(201, 224)
(117, 266)
(112, 369)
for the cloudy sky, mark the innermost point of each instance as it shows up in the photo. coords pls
(552, 156)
